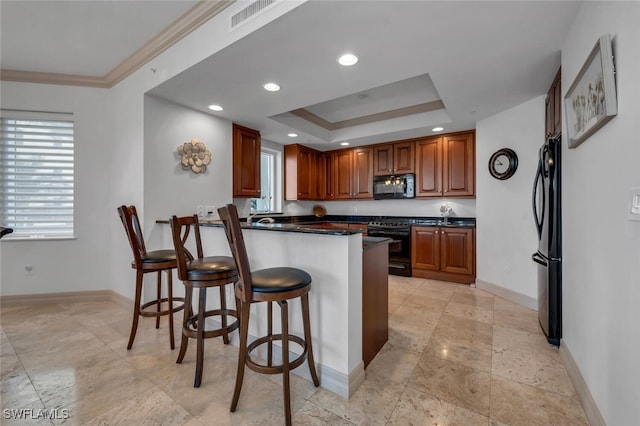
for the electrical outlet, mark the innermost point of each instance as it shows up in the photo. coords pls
(28, 269)
(210, 211)
(201, 212)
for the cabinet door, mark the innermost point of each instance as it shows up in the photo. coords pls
(342, 174)
(326, 176)
(383, 160)
(362, 173)
(425, 248)
(307, 174)
(458, 169)
(404, 157)
(457, 248)
(429, 167)
(246, 162)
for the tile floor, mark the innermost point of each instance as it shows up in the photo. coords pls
(455, 355)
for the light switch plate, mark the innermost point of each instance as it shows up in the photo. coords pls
(634, 204)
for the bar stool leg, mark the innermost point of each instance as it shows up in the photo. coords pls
(307, 339)
(202, 294)
(223, 307)
(159, 291)
(284, 312)
(170, 300)
(188, 312)
(270, 333)
(136, 308)
(242, 352)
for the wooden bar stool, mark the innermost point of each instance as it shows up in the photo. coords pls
(144, 262)
(201, 272)
(268, 285)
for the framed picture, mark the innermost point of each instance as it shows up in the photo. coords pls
(591, 100)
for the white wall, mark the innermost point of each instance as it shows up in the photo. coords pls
(168, 189)
(505, 231)
(82, 263)
(601, 253)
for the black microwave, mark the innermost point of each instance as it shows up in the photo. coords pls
(394, 186)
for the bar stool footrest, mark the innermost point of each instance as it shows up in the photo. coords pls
(276, 369)
(156, 302)
(190, 329)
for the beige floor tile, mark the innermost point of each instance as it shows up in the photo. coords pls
(416, 408)
(313, 415)
(514, 403)
(467, 350)
(372, 403)
(148, 408)
(392, 364)
(466, 311)
(452, 382)
(455, 355)
(473, 297)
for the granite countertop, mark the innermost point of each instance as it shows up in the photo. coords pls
(313, 225)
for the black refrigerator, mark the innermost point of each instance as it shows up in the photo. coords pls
(547, 214)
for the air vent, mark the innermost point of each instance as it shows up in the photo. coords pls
(250, 11)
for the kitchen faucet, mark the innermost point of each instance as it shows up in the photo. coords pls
(445, 211)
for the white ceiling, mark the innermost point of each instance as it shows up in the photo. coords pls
(477, 57)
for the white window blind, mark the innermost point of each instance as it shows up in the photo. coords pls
(37, 178)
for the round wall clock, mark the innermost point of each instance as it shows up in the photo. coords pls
(503, 163)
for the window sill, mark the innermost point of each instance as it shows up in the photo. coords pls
(23, 239)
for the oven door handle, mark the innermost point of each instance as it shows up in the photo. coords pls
(394, 233)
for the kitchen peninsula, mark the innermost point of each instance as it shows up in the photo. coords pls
(338, 261)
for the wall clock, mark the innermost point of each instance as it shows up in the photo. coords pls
(503, 163)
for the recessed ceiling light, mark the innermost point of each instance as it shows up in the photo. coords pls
(215, 107)
(348, 59)
(437, 129)
(344, 143)
(292, 135)
(271, 87)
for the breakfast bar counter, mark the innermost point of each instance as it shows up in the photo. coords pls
(335, 259)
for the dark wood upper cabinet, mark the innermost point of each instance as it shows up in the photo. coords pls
(301, 173)
(458, 167)
(246, 162)
(326, 176)
(553, 108)
(353, 173)
(394, 158)
(445, 165)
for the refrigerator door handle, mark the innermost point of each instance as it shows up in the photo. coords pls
(536, 257)
(539, 219)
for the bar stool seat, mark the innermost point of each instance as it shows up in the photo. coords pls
(278, 285)
(149, 261)
(201, 273)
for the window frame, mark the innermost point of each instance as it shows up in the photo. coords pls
(274, 190)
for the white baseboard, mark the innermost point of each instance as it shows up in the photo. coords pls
(584, 394)
(505, 293)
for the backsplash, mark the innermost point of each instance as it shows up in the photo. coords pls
(461, 207)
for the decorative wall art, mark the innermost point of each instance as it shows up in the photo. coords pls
(591, 100)
(194, 156)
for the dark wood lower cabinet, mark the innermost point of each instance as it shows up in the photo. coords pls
(375, 300)
(446, 254)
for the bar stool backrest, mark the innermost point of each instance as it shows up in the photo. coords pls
(229, 216)
(131, 223)
(180, 230)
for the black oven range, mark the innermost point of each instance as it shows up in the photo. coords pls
(400, 246)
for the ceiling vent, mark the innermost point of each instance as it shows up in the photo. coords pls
(251, 11)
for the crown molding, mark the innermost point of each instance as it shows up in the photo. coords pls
(174, 32)
(366, 119)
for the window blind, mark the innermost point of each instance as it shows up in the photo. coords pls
(37, 175)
